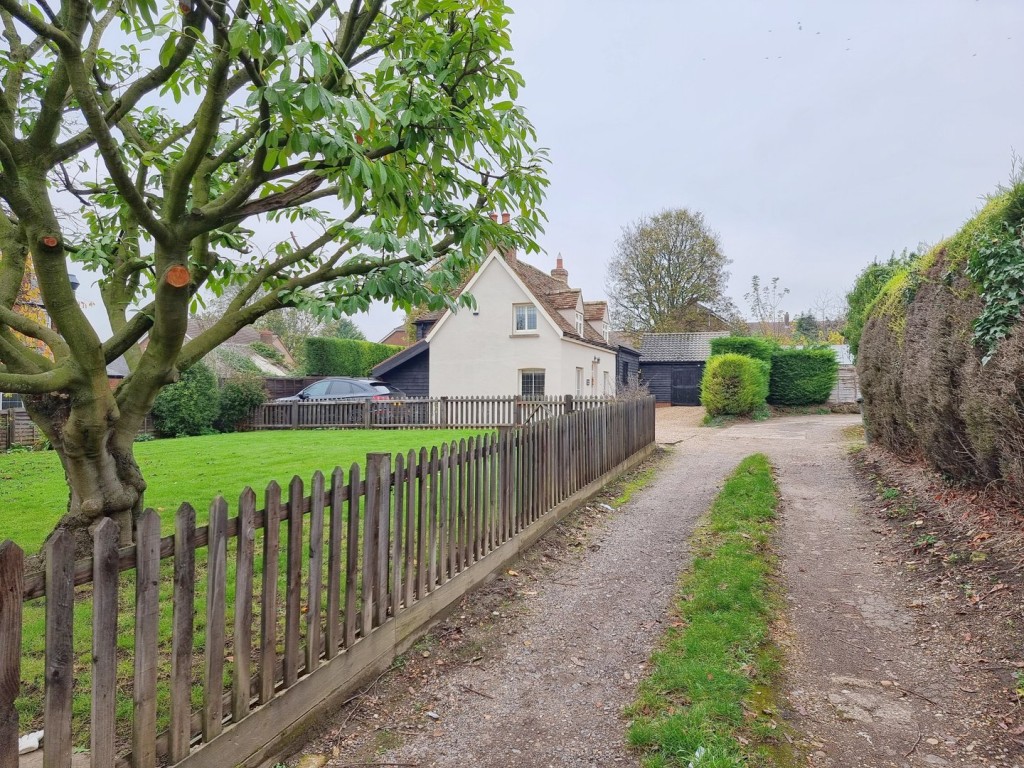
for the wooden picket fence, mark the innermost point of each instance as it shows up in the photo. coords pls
(418, 412)
(356, 569)
(16, 428)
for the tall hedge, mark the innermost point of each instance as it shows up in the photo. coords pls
(344, 357)
(752, 346)
(802, 376)
(928, 388)
(733, 385)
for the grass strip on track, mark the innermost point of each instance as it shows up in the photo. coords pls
(707, 701)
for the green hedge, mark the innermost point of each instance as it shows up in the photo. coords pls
(239, 397)
(344, 357)
(751, 346)
(802, 376)
(733, 384)
(189, 406)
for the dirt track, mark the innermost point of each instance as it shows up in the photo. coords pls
(562, 662)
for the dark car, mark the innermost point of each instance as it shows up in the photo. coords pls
(338, 388)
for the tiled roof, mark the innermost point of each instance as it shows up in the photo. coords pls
(677, 347)
(594, 310)
(545, 288)
(565, 299)
(399, 357)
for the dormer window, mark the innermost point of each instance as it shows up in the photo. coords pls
(605, 333)
(525, 316)
(579, 323)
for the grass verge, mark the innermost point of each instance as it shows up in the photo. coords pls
(708, 700)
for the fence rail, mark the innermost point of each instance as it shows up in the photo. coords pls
(325, 584)
(418, 413)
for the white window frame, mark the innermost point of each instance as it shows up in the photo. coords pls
(527, 316)
(579, 382)
(523, 373)
(579, 323)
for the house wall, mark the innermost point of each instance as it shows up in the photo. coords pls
(476, 352)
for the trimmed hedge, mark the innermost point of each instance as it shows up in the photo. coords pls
(344, 357)
(802, 376)
(733, 384)
(189, 406)
(751, 346)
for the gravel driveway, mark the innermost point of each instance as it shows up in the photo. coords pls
(554, 697)
(863, 689)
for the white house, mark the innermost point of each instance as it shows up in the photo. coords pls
(531, 334)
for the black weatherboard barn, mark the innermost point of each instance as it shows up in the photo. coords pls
(671, 365)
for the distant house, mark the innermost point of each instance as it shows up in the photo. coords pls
(531, 334)
(250, 349)
(671, 365)
(398, 337)
(781, 329)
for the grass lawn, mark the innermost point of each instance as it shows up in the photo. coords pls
(34, 496)
(708, 699)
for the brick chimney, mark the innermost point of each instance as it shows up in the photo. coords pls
(560, 273)
(509, 253)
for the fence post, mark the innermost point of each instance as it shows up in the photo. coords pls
(295, 414)
(517, 416)
(12, 575)
(444, 412)
(568, 403)
(366, 413)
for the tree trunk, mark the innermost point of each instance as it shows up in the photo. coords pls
(95, 445)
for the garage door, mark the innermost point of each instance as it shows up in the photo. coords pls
(686, 384)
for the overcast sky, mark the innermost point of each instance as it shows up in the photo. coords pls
(813, 136)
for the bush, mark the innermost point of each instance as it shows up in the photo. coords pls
(344, 357)
(802, 376)
(733, 385)
(189, 406)
(238, 398)
(752, 346)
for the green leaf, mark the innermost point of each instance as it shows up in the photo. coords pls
(167, 50)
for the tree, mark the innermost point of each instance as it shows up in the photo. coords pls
(866, 287)
(664, 266)
(806, 326)
(293, 325)
(346, 329)
(383, 133)
(765, 302)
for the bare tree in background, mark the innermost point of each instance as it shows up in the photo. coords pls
(666, 266)
(766, 306)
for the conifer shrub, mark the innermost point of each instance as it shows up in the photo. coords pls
(733, 385)
(802, 376)
(752, 346)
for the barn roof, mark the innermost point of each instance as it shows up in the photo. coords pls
(677, 347)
